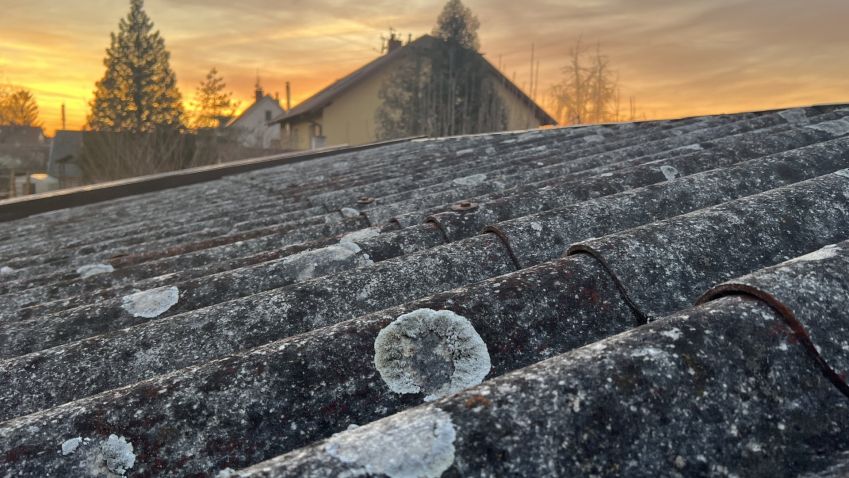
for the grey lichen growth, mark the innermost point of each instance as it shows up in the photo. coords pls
(837, 127)
(794, 116)
(420, 444)
(70, 446)
(349, 212)
(825, 253)
(89, 270)
(472, 180)
(118, 454)
(151, 303)
(669, 172)
(312, 263)
(433, 352)
(360, 235)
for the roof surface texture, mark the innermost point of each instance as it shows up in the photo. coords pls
(665, 298)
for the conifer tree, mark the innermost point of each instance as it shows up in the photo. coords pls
(138, 92)
(213, 104)
(457, 24)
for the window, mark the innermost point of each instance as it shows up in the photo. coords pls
(267, 115)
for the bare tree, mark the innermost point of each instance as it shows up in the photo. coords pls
(18, 107)
(589, 90)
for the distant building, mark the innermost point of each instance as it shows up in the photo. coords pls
(23, 150)
(344, 112)
(63, 161)
(253, 128)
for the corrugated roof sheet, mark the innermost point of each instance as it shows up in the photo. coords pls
(655, 298)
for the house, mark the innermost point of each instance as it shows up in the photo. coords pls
(62, 163)
(344, 112)
(23, 149)
(254, 127)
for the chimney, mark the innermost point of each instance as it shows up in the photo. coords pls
(288, 96)
(259, 93)
(393, 43)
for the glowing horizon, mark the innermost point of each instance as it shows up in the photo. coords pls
(677, 59)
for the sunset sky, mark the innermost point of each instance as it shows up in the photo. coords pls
(676, 57)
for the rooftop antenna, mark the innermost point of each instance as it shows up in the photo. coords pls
(63, 115)
(258, 88)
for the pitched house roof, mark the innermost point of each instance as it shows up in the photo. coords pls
(22, 148)
(256, 104)
(324, 97)
(655, 298)
(64, 149)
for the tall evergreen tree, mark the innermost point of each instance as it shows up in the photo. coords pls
(443, 87)
(138, 92)
(457, 24)
(213, 104)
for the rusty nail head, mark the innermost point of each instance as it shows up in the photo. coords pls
(464, 206)
(365, 200)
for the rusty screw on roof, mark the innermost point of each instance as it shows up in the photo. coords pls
(365, 200)
(464, 206)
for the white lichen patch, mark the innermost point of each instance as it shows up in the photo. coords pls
(835, 127)
(843, 173)
(823, 254)
(6, 271)
(315, 262)
(348, 212)
(432, 352)
(472, 180)
(536, 226)
(89, 270)
(594, 138)
(674, 333)
(118, 454)
(151, 303)
(669, 172)
(418, 443)
(650, 352)
(691, 147)
(360, 235)
(794, 116)
(70, 446)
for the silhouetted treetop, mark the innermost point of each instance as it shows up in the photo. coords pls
(457, 24)
(138, 91)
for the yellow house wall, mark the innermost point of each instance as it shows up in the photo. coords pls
(349, 119)
(519, 114)
(299, 135)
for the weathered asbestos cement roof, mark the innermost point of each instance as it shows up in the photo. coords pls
(665, 298)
